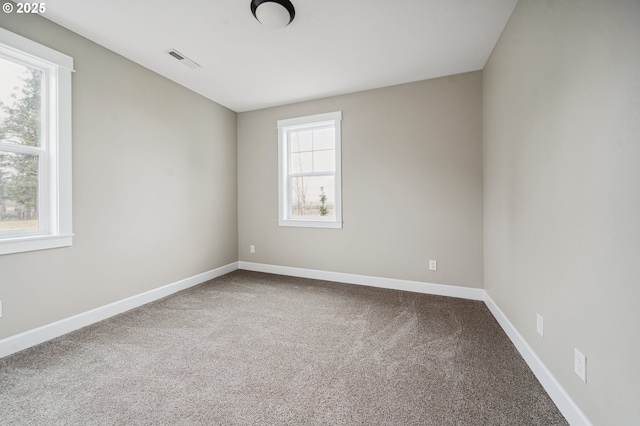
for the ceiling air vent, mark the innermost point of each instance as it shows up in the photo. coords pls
(183, 59)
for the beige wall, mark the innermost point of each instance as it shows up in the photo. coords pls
(412, 185)
(562, 192)
(154, 188)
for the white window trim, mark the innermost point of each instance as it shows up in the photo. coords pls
(57, 232)
(284, 201)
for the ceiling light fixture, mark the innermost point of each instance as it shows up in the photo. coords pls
(273, 13)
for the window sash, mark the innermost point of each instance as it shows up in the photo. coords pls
(290, 204)
(43, 209)
(48, 130)
(291, 175)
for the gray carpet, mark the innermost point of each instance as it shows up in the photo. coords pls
(258, 349)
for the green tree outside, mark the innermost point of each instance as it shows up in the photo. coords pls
(323, 199)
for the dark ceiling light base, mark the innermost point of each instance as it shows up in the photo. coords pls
(273, 18)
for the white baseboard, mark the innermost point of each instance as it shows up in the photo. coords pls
(556, 392)
(39, 335)
(394, 284)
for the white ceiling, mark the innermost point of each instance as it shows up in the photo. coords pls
(331, 47)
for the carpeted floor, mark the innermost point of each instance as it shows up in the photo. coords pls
(258, 349)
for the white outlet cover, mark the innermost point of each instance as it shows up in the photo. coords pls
(540, 324)
(580, 365)
(433, 265)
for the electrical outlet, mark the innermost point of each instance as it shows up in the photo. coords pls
(0, 308)
(252, 248)
(580, 365)
(433, 265)
(540, 324)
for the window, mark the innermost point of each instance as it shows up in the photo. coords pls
(35, 146)
(309, 171)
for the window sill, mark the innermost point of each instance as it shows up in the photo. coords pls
(33, 243)
(310, 223)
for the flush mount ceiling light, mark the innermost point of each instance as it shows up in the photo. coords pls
(273, 13)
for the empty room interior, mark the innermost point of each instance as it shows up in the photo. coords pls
(335, 212)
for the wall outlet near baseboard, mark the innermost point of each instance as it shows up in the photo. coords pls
(252, 248)
(540, 324)
(580, 365)
(0, 308)
(433, 265)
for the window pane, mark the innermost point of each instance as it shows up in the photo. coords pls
(324, 138)
(21, 104)
(324, 161)
(313, 196)
(301, 163)
(301, 141)
(18, 191)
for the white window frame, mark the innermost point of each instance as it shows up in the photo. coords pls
(284, 178)
(54, 154)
